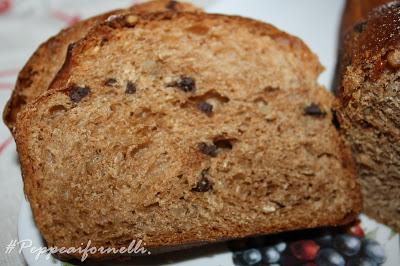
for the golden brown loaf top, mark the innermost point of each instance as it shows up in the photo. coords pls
(39, 71)
(373, 44)
(356, 11)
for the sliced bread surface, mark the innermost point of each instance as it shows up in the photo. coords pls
(37, 74)
(182, 128)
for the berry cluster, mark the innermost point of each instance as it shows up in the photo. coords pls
(325, 247)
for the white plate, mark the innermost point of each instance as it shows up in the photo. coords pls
(316, 22)
(219, 254)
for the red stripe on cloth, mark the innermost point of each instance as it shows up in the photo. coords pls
(8, 72)
(5, 5)
(6, 86)
(4, 145)
(69, 19)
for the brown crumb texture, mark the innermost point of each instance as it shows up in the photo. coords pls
(369, 107)
(152, 166)
(37, 74)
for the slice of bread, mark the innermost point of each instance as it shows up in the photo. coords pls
(369, 109)
(39, 71)
(182, 128)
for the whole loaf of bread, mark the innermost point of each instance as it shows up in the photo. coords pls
(369, 108)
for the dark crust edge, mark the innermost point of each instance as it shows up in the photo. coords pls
(14, 104)
(119, 21)
(157, 250)
(21, 134)
(367, 50)
(364, 48)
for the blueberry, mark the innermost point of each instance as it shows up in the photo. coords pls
(329, 257)
(281, 246)
(373, 250)
(324, 240)
(270, 255)
(248, 257)
(347, 245)
(362, 262)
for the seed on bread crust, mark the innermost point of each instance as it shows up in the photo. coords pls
(130, 88)
(110, 82)
(76, 93)
(314, 110)
(131, 19)
(207, 149)
(203, 185)
(393, 58)
(205, 107)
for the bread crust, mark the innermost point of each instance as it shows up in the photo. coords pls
(368, 81)
(61, 85)
(367, 44)
(37, 74)
(356, 11)
(353, 19)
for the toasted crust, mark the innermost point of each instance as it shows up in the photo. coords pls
(368, 108)
(289, 42)
(305, 75)
(353, 19)
(367, 44)
(357, 11)
(37, 74)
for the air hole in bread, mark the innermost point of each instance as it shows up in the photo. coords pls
(110, 82)
(198, 29)
(114, 107)
(222, 143)
(137, 148)
(104, 41)
(153, 205)
(209, 96)
(335, 120)
(314, 110)
(262, 105)
(56, 109)
(208, 103)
